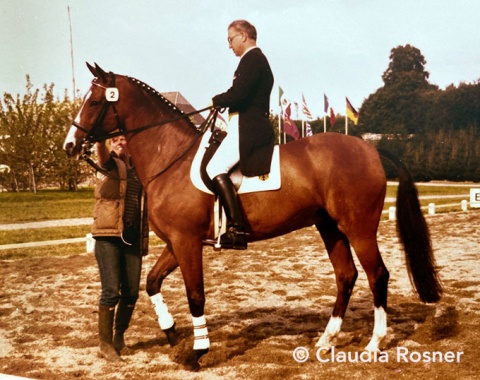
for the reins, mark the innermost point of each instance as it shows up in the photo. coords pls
(208, 123)
(122, 132)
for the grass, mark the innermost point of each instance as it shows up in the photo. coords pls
(434, 190)
(56, 204)
(45, 205)
(43, 234)
(46, 251)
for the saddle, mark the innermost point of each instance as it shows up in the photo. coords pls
(198, 173)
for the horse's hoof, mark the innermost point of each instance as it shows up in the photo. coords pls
(172, 336)
(191, 362)
(325, 350)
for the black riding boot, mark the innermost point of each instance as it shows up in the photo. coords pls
(122, 320)
(105, 333)
(235, 236)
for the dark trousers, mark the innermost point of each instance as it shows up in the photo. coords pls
(120, 268)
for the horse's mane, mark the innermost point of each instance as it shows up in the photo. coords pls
(162, 98)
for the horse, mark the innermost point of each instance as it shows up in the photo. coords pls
(332, 181)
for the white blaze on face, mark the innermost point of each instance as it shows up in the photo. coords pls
(71, 140)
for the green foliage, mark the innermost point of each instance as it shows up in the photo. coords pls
(33, 127)
(24, 206)
(406, 67)
(435, 131)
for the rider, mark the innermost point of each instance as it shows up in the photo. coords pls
(250, 139)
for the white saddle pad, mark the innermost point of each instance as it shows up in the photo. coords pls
(249, 184)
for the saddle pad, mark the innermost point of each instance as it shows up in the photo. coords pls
(249, 184)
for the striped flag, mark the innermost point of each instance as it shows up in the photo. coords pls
(305, 109)
(308, 128)
(352, 112)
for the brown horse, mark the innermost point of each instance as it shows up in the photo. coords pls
(329, 180)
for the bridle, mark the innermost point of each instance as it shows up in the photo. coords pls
(90, 133)
(112, 99)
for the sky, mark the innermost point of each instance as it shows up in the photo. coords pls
(339, 48)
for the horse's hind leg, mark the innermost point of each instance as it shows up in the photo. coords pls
(340, 255)
(369, 256)
(165, 264)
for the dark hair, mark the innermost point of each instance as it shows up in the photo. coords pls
(244, 26)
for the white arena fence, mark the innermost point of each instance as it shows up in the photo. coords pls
(430, 209)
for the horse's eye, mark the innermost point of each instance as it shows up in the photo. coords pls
(94, 103)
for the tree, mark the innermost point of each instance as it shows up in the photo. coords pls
(399, 107)
(407, 67)
(33, 128)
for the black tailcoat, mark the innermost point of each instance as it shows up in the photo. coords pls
(250, 97)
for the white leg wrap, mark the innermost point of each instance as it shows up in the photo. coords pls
(379, 330)
(165, 319)
(331, 331)
(200, 333)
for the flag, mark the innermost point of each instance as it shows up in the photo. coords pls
(352, 112)
(325, 103)
(305, 109)
(280, 94)
(289, 126)
(308, 128)
(333, 119)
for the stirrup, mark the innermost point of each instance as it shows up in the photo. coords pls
(234, 239)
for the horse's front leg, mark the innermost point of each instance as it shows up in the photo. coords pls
(189, 255)
(165, 265)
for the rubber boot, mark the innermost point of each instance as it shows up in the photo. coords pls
(235, 236)
(122, 320)
(105, 333)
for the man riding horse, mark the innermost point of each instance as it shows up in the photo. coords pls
(250, 138)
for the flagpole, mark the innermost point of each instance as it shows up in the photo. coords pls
(280, 126)
(280, 93)
(325, 109)
(71, 53)
(346, 121)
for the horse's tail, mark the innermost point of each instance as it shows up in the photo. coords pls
(414, 235)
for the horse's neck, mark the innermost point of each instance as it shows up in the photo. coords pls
(155, 149)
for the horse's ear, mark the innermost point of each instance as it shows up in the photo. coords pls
(100, 73)
(92, 69)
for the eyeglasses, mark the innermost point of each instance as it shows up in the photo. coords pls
(230, 39)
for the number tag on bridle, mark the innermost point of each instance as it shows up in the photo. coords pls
(111, 94)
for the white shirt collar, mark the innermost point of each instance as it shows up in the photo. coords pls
(246, 51)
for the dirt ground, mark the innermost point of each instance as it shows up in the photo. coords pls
(261, 305)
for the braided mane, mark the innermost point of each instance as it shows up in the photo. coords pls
(162, 98)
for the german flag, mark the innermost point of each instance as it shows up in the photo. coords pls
(352, 112)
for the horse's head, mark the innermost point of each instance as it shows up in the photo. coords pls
(98, 113)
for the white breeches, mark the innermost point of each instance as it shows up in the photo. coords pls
(228, 153)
